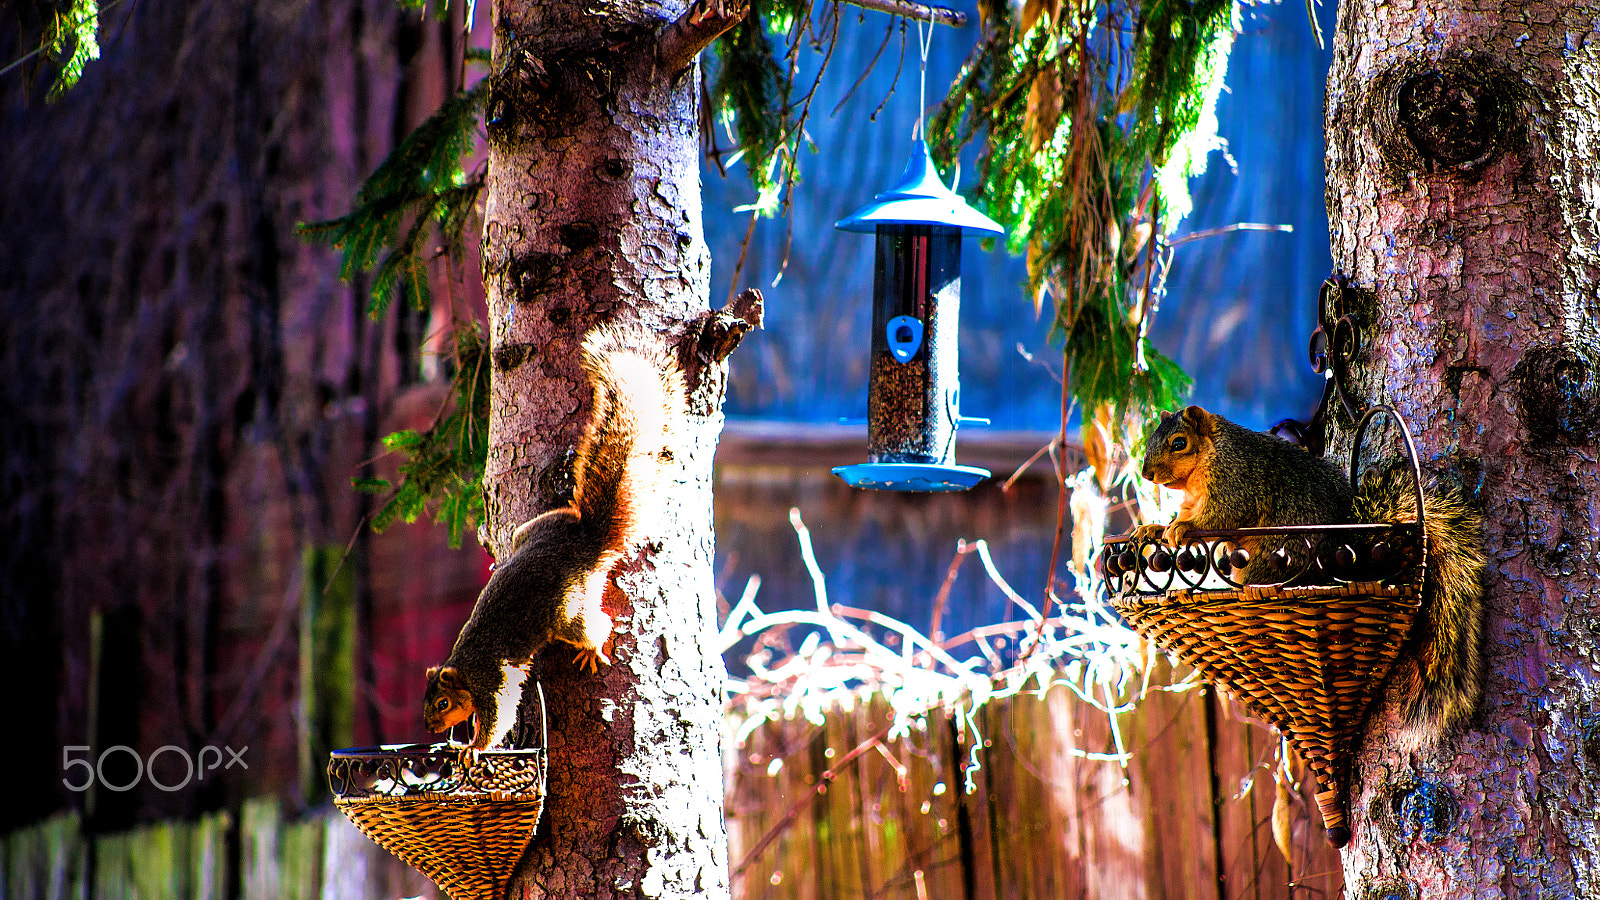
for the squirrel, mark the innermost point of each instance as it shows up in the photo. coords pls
(1232, 477)
(551, 585)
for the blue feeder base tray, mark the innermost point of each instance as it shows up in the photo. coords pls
(923, 477)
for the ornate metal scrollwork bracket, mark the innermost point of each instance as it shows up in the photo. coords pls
(1335, 343)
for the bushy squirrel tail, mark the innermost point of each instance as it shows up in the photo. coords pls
(618, 470)
(1443, 690)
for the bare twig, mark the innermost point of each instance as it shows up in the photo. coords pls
(962, 549)
(1047, 448)
(1225, 229)
(821, 786)
(848, 652)
(938, 15)
(887, 34)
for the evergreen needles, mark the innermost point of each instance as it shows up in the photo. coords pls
(420, 184)
(1091, 119)
(420, 191)
(444, 467)
(1090, 116)
(70, 40)
(747, 87)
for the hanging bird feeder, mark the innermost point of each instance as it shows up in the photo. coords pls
(913, 391)
(1310, 654)
(461, 817)
(463, 820)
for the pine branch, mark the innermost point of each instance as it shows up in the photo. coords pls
(420, 184)
(1089, 128)
(444, 467)
(925, 12)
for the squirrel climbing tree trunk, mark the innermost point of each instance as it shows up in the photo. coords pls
(593, 216)
(1463, 182)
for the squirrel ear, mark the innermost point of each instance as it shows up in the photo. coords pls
(433, 672)
(1165, 415)
(1198, 419)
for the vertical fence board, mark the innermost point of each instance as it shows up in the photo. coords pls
(46, 861)
(1171, 776)
(258, 850)
(1244, 756)
(1115, 852)
(300, 858)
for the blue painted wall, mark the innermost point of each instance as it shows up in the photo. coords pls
(1240, 307)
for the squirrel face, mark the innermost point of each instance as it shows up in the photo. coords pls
(448, 703)
(1178, 448)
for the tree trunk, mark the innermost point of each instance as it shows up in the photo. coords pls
(593, 216)
(1462, 186)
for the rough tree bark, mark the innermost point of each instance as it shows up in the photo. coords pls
(1463, 177)
(593, 216)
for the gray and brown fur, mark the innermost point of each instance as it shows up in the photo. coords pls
(551, 585)
(1442, 689)
(1232, 477)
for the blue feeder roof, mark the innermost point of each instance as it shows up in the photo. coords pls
(920, 198)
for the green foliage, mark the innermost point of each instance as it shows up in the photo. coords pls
(1181, 56)
(443, 472)
(327, 662)
(751, 88)
(70, 42)
(1107, 367)
(1091, 118)
(419, 193)
(441, 8)
(419, 186)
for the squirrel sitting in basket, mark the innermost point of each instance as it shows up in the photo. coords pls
(550, 587)
(1232, 477)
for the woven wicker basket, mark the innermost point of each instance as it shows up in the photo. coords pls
(1308, 660)
(1309, 654)
(462, 821)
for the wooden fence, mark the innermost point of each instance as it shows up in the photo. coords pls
(269, 857)
(835, 812)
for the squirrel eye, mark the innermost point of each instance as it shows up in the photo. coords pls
(442, 704)
(1180, 443)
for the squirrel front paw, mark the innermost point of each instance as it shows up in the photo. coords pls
(590, 658)
(1172, 534)
(1148, 534)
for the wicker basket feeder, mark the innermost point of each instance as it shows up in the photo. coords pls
(1310, 653)
(461, 820)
